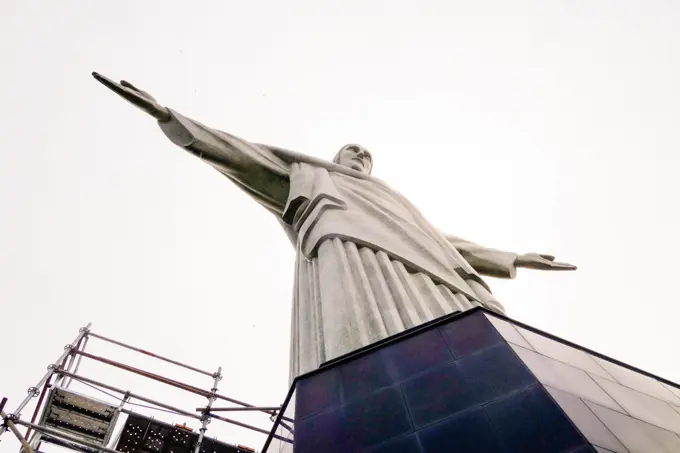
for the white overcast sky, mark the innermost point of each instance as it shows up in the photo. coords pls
(528, 125)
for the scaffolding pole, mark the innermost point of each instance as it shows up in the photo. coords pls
(37, 406)
(148, 374)
(205, 416)
(113, 440)
(237, 409)
(33, 391)
(150, 354)
(12, 427)
(244, 425)
(80, 358)
(69, 362)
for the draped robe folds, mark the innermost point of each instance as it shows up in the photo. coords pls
(368, 264)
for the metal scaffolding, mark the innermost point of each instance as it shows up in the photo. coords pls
(84, 424)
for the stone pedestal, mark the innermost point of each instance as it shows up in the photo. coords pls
(478, 382)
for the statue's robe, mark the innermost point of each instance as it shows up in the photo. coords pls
(368, 264)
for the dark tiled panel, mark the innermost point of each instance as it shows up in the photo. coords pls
(405, 444)
(470, 334)
(317, 393)
(327, 432)
(494, 372)
(438, 394)
(530, 422)
(467, 383)
(470, 432)
(363, 376)
(416, 354)
(378, 418)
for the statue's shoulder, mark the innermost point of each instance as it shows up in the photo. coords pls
(286, 155)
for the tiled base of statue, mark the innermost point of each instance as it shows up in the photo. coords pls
(477, 382)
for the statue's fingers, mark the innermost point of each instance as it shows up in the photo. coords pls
(563, 266)
(108, 83)
(143, 93)
(127, 84)
(137, 98)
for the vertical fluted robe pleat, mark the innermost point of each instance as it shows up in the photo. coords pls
(350, 296)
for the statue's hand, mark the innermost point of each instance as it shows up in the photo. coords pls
(542, 262)
(139, 98)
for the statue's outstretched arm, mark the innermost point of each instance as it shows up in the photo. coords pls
(253, 168)
(497, 263)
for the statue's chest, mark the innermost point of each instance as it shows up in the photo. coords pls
(372, 199)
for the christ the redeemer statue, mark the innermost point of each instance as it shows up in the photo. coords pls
(368, 264)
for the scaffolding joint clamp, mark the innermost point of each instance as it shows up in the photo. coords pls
(33, 391)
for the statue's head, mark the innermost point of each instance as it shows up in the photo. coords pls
(355, 157)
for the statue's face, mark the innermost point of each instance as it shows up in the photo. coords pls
(355, 157)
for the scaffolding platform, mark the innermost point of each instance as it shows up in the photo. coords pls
(81, 422)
